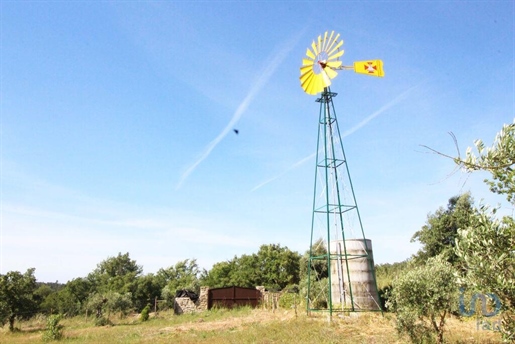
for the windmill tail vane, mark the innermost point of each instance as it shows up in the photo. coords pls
(369, 67)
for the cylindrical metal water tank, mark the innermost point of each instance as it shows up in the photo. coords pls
(352, 275)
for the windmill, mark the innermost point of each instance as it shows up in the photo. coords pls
(341, 275)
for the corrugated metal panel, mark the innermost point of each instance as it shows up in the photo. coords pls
(230, 297)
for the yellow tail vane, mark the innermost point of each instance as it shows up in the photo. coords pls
(369, 67)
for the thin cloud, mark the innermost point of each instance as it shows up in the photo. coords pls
(360, 125)
(263, 79)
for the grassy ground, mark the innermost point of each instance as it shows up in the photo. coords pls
(241, 326)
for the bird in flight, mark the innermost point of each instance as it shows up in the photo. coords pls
(236, 131)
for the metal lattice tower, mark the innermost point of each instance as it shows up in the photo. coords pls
(336, 223)
(341, 274)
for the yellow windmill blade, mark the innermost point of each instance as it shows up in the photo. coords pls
(334, 64)
(334, 48)
(314, 47)
(320, 64)
(325, 40)
(310, 54)
(369, 67)
(330, 72)
(332, 41)
(336, 55)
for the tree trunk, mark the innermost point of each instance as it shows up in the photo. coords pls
(440, 329)
(11, 322)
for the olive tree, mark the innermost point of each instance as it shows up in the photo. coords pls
(487, 246)
(422, 298)
(498, 160)
(103, 304)
(488, 253)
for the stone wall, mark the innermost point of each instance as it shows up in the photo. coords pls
(202, 299)
(186, 305)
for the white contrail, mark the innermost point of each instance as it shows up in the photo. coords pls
(265, 75)
(393, 102)
(294, 166)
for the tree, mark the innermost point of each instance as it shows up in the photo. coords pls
(488, 252)
(487, 246)
(68, 300)
(318, 266)
(79, 289)
(117, 274)
(103, 304)
(318, 275)
(17, 296)
(277, 267)
(438, 235)
(183, 275)
(422, 299)
(246, 271)
(273, 266)
(498, 160)
(220, 274)
(240, 271)
(385, 275)
(148, 288)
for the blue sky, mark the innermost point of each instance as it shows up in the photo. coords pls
(117, 124)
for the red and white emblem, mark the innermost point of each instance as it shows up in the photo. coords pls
(370, 68)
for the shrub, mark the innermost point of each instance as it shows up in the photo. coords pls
(422, 298)
(289, 299)
(384, 294)
(54, 330)
(144, 313)
(102, 321)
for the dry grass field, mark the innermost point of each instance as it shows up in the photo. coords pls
(241, 326)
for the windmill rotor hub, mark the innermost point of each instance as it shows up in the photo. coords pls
(322, 62)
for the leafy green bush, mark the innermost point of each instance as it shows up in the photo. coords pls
(318, 293)
(422, 299)
(290, 298)
(384, 294)
(144, 313)
(102, 321)
(54, 330)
